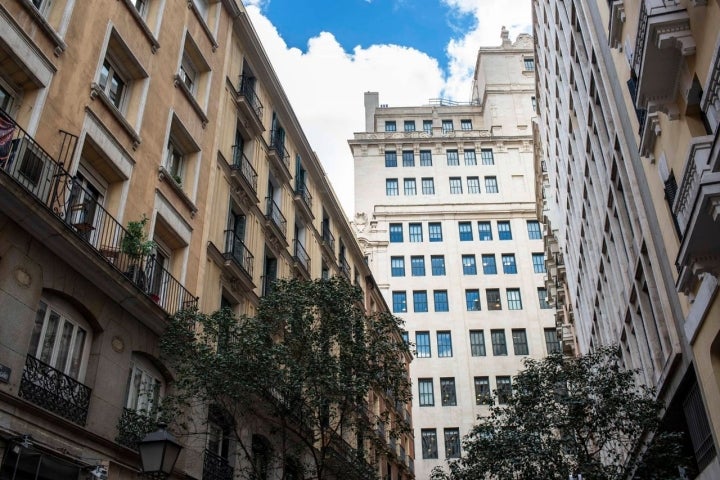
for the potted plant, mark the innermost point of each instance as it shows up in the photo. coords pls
(136, 246)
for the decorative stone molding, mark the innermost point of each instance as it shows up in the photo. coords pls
(650, 132)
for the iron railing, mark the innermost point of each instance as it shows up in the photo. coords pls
(236, 251)
(328, 238)
(352, 457)
(302, 191)
(273, 213)
(243, 165)
(68, 198)
(344, 267)
(277, 143)
(133, 426)
(216, 467)
(301, 255)
(247, 90)
(54, 391)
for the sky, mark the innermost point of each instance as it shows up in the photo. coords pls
(327, 53)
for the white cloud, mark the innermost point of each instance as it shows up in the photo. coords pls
(325, 85)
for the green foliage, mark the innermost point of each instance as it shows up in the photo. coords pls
(134, 243)
(567, 416)
(305, 363)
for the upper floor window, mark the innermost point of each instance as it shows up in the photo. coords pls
(174, 161)
(141, 6)
(396, 233)
(435, 231)
(429, 443)
(520, 343)
(529, 64)
(444, 344)
(415, 232)
(391, 187)
(484, 231)
(491, 185)
(493, 299)
(508, 262)
(420, 301)
(504, 231)
(447, 126)
(477, 343)
(417, 265)
(452, 157)
(409, 125)
(144, 387)
(552, 343)
(452, 443)
(422, 345)
(447, 389)
(466, 124)
(470, 158)
(441, 301)
(486, 155)
(465, 229)
(428, 186)
(390, 126)
(504, 389)
(426, 397)
(538, 260)
(455, 185)
(188, 73)
(399, 302)
(533, 227)
(425, 158)
(408, 158)
(409, 186)
(473, 184)
(488, 264)
(513, 299)
(498, 342)
(391, 159)
(468, 265)
(397, 266)
(113, 83)
(437, 263)
(543, 297)
(427, 126)
(472, 300)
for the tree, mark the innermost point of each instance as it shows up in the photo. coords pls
(567, 416)
(304, 364)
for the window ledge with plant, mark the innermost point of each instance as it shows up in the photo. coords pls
(176, 184)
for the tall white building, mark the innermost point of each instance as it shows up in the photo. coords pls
(446, 215)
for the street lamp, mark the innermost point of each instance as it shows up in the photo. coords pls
(158, 453)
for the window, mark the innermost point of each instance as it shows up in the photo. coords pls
(466, 124)
(112, 83)
(194, 69)
(174, 161)
(465, 229)
(533, 101)
(508, 263)
(473, 184)
(59, 339)
(472, 300)
(486, 156)
(529, 64)
(491, 185)
(477, 343)
(492, 296)
(428, 186)
(437, 265)
(447, 390)
(140, 6)
(441, 300)
(452, 443)
(189, 74)
(420, 301)
(427, 128)
(409, 186)
(543, 297)
(425, 158)
(455, 185)
(435, 231)
(406, 337)
(409, 125)
(482, 391)
(422, 345)
(447, 126)
(533, 227)
(397, 266)
(415, 232)
(452, 157)
(429, 443)
(417, 266)
(426, 395)
(538, 260)
(488, 264)
(408, 158)
(552, 343)
(391, 187)
(498, 342)
(144, 387)
(470, 158)
(468, 265)
(504, 389)
(513, 299)
(520, 343)
(444, 344)
(399, 302)
(504, 232)
(396, 233)
(390, 126)
(484, 231)
(391, 159)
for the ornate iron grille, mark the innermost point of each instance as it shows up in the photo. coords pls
(243, 165)
(216, 467)
(236, 251)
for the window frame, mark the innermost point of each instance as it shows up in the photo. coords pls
(456, 185)
(514, 299)
(487, 156)
(428, 186)
(469, 264)
(399, 301)
(420, 301)
(448, 392)
(441, 301)
(426, 158)
(415, 232)
(509, 263)
(484, 235)
(397, 266)
(472, 299)
(489, 264)
(477, 349)
(499, 342)
(491, 184)
(538, 260)
(392, 187)
(417, 265)
(428, 440)
(520, 341)
(452, 442)
(390, 126)
(395, 231)
(444, 343)
(423, 349)
(437, 265)
(409, 186)
(543, 298)
(503, 232)
(408, 158)
(426, 392)
(532, 225)
(493, 299)
(504, 388)
(435, 232)
(465, 231)
(466, 124)
(470, 157)
(390, 159)
(473, 185)
(428, 126)
(556, 344)
(409, 125)
(451, 155)
(483, 396)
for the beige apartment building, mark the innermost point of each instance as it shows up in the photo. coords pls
(147, 120)
(444, 195)
(627, 127)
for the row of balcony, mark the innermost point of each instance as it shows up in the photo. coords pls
(69, 200)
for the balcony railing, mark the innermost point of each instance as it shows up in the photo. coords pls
(247, 90)
(28, 164)
(277, 143)
(243, 165)
(302, 191)
(133, 426)
(54, 391)
(328, 238)
(350, 457)
(301, 255)
(344, 267)
(236, 251)
(274, 214)
(216, 467)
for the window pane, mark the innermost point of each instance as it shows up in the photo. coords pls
(469, 266)
(420, 303)
(472, 300)
(409, 125)
(397, 266)
(422, 344)
(426, 396)
(498, 342)
(543, 297)
(470, 158)
(441, 301)
(444, 344)
(538, 260)
(520, 345)
(415, 232)
(509, 265)
(504, 389)
(513, 299)
(466, 124)
(552, 343)
(452, 443)
(408, 158)
(429, 443)
(477, 343)
(409, 186)
(427, 126)
(465, 229)
(504, 232)
(493, 299)
(390, 126)
(390, 159)
(452, 157)
(482, 391)
(488, 264)
(486, 155)
(473, 184)
(425, 158)
(455, 185)
(396, 233)
(491, 185)
(435, 231)
(391, 187)
(428, 186)
(533, 227)
(417, 265)
(399, 302)
(447, 390)
(484, 231)
(447, 126)
(438, 265)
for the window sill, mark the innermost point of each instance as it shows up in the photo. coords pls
(60, 45)
(165, 176)
(97, 92)
(204, 25)
(191, 98)
(154, 44)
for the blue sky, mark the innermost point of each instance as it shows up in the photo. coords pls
(327, 53)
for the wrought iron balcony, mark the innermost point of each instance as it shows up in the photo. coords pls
(301, 256)
(237, 252)
(66, 197)
(273, 214)
(242, 165)
(133, 426)
(247, 90)
(347, 459)
(328, 239)
(303, 197)
(344, 267)
(54, 391)
(277, 149)
(216, 467)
